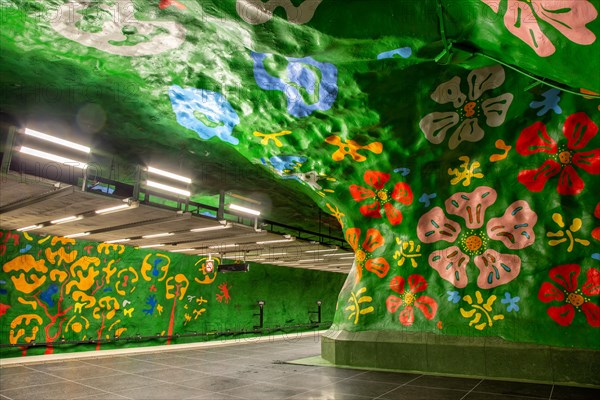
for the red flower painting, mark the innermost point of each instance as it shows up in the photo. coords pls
(408, 299)
(363, 252)
(578, 130)
(572, 297)
(381, 197)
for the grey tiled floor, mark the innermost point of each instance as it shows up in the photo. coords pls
(250, 371)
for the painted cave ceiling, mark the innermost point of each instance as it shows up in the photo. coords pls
(291, 101)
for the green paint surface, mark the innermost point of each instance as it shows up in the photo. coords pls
(441, 117)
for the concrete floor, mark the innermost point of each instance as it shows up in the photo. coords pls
(249, 371)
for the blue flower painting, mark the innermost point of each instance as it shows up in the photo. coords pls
(301, 74)
(207, 113)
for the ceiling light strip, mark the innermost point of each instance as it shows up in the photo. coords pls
(66, 219)
(55, 140)
(244, 209)
(108, 210)
(30, 228)
(211, 228)
(167, 188)
(117, 241)
(151, 245)
(167, 174)
(181, 250)
(74, 235)
(155, 235)
(52, 157)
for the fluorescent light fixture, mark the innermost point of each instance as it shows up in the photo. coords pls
(181, 250)
(52, 157)
(171, 175)
(66, 219)
(233, 257)
(211, 228)
(56, 140)
(113, 209)
(273, 254)
(315, 260)
(117, 241)
(276, 241)
(30, 228)
(77, 235)
(223, 246)
(151, 245)
(155, 235)
(168, 188)
(243, 209)
(321, 251)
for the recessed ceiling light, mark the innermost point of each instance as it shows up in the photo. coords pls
(157, 235)
(117, 241)
(291, 239)
(66, 219)
(30, 228)
(211, 228)
(121, 207)
(181, 250)
(151, 245)
(74, 235)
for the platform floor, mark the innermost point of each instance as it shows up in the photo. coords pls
(250, 371)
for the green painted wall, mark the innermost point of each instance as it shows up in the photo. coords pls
(54, 288)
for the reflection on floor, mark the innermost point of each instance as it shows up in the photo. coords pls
(249, 370)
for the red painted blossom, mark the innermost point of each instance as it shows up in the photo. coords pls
(168, 3)
(408, 299)
(574, 299)
(596, 231)
(363, 252)
(381, 197)
(578, 129)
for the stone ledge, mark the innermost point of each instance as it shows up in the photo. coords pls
(481, 357)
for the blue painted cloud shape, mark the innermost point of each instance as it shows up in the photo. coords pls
(299, 75)
(218, 115)
(403, 52)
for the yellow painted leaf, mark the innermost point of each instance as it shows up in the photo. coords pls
(476, 319)
(351, 315)
(367, 310)
(365, 299)
(350, 308)
(497, 317)
(362, 290)
(468, 299)
(480, 326)
(467, 314)
(478, 297)
(488, 304)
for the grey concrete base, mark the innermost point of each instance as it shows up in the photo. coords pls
(464, 356)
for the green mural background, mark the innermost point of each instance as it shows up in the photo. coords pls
(55, 289)
(384, 113)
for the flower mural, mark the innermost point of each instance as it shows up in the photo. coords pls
(364, 252)
(569, 17)
(408, 299)
(573, 298)
(469, 109)
(382, 198)
(578, 130)
(514, 229)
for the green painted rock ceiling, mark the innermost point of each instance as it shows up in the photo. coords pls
(455, 141)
